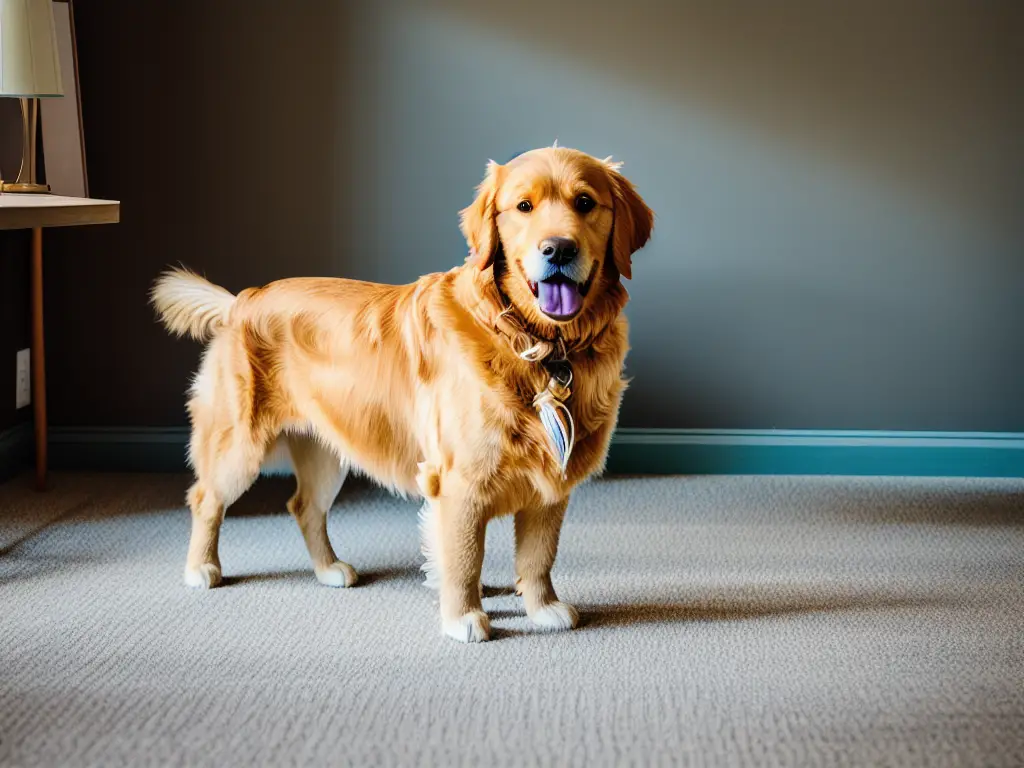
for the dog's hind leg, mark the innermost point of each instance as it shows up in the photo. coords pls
(319, 475)
(227, 462)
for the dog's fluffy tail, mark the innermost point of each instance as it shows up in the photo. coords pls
(189, 304)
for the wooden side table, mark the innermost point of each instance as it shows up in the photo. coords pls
(19, 211)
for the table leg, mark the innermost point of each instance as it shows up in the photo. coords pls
(38, 358)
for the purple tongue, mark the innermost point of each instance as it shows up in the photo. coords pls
(560, 299)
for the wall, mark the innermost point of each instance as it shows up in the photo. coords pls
(15, 331)
(838, 188)
(14, 320)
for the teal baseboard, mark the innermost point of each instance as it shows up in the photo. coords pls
(650, 452)
(15, 450)
(811, 452)
(119, 449)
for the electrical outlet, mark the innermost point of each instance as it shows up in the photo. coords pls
(23, 389)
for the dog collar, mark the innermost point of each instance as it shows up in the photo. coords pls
(533, 349)
(551, 401)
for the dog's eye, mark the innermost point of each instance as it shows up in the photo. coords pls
(585, 203)
(526, 206)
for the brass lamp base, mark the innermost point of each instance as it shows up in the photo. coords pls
(25, 189)
(26, 182)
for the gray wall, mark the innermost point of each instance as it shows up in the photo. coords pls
(839, 242)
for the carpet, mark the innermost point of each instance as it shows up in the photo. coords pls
(725, 621)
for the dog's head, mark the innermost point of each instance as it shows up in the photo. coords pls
(560, 228)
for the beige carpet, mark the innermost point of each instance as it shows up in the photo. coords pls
(727, 621)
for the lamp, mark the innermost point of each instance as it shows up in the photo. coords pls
(29, 70)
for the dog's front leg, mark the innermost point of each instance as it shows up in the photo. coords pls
(537, 532)
(462, 526)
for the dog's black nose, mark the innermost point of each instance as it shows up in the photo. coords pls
(559, 250)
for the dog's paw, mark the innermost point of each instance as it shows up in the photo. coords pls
(337, 574)
(206, 576)
(472, 627)
(555, 616)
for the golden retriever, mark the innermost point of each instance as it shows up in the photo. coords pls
(491, 389)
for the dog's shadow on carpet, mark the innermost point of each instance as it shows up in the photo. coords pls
(366, 577)
(747, 608)
(743, 607)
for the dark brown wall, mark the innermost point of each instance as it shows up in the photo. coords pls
(838, 188)
(14, 319)
(215, 125)
(14, 274)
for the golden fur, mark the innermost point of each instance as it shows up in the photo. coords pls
(414, 386)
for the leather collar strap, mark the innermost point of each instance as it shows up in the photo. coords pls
(533, 349)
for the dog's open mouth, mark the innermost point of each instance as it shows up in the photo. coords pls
(558, 297)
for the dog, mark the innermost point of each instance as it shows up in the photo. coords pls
(490, 389)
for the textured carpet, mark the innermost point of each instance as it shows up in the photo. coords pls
(727, 621)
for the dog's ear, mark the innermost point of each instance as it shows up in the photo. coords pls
(479, 221)
(633, 221)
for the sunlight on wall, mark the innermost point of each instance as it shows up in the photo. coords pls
(820, 260)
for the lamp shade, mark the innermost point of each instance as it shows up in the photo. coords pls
(29, 66)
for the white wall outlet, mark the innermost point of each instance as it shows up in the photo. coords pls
(23, 389)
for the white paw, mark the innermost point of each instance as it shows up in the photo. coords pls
(555, 616)
(472, 627)
(206, 576)
(337, 574)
